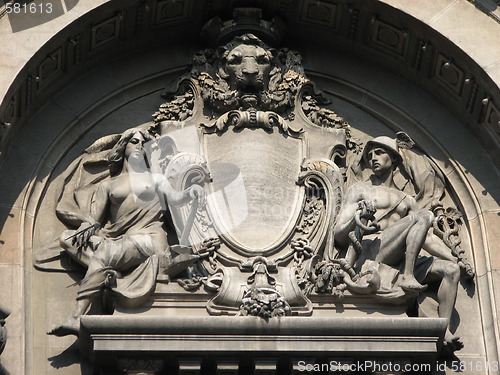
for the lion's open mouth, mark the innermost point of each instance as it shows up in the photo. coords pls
(251, 87)
(250, 90)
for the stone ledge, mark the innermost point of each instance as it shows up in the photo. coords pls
(106, 338)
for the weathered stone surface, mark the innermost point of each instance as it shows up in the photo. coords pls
(492, 223)
(407, 337)
(256, 119)
(372, 99)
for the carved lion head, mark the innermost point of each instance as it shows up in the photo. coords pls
(247, 64)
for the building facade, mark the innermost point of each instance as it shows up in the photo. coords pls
(216, 186)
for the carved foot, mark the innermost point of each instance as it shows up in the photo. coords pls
(452, 344)
(70, 327)
(179, 264)
(410, 284)
(467, 268)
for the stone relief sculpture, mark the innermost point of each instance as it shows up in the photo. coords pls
(295, 206)
(385, 227)
(120, 223)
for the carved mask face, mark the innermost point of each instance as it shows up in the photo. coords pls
(247, 68)
(380, 160)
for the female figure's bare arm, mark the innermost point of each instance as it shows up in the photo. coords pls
(179, 198)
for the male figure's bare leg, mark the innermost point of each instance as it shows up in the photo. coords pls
(414, 241)
(405, 238)
(435, 246)
(445, 268)
(449, 273)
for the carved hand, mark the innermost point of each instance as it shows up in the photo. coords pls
(367, 209)
(197, 192)
(83, 234)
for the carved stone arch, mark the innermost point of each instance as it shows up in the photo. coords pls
(34, 148)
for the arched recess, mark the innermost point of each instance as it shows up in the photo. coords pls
(123, 78)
